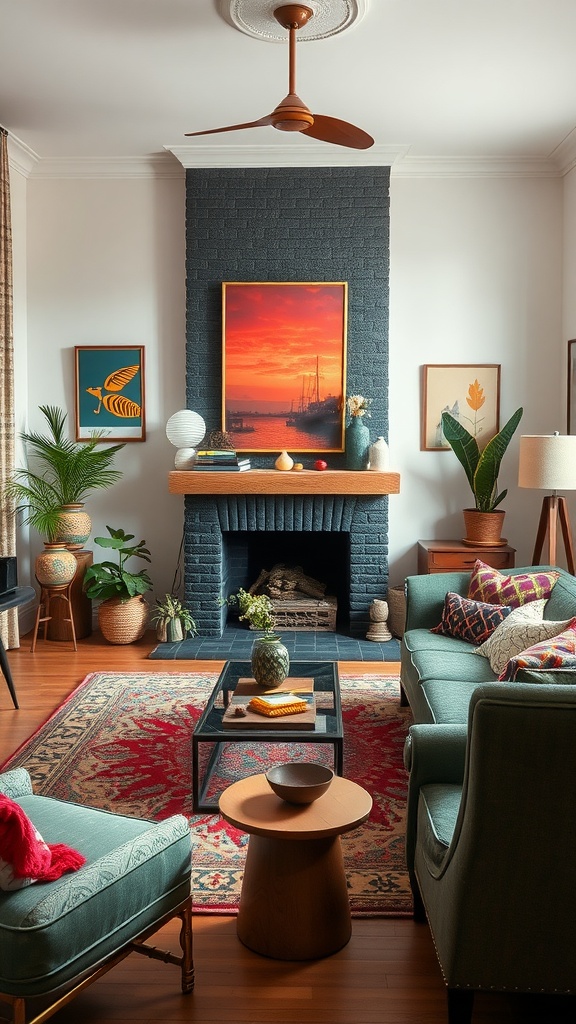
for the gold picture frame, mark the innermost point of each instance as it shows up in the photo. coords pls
(470, 391)
(284, 365)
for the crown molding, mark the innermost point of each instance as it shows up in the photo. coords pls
(565, 154)
(475, 167)
(176, 158)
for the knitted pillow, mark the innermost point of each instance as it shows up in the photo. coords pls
(472, 621)
(557, 652)
(24, 856)
(522, 628)
(487, 584)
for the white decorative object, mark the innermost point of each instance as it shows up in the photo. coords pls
(185, 429)
(379, 456)
(185, 458)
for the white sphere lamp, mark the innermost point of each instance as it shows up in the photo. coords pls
(185, 429)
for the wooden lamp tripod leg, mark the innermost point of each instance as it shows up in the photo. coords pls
(553, 508)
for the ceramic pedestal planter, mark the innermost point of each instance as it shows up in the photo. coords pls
(75, 527)
(357, 444)
(270, 661)
(123, 622)
(56, 566)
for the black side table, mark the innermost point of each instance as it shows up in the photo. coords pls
(16, 597)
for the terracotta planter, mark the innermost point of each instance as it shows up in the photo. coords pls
(483, 529)
(123, 622)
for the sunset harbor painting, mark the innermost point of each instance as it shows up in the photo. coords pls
(284, 365)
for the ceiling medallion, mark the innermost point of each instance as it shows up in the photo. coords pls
(256, 18)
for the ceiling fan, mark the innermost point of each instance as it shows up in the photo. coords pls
(291, 115)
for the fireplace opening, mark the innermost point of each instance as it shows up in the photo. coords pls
(324, 556)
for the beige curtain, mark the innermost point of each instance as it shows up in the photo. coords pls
(9, 620)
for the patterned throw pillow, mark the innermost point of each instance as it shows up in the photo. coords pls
(521, 629)
(557, 652)
(487, 584)
(472, 621)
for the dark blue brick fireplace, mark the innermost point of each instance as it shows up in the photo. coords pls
(287, 224)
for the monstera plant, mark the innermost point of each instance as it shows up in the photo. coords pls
(482, 468)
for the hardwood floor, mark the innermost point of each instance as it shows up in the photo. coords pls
(387, 974)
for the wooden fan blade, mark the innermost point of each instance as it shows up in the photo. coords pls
(340, 133)
(235, 127)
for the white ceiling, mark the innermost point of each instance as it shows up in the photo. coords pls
(105, 80)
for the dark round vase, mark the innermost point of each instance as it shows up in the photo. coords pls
(270, 661)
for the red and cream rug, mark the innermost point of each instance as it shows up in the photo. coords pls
(122, 742)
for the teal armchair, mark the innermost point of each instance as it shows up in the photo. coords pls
(58, 937)
(491, 842)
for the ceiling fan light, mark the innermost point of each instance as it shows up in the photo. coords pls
(291, 126)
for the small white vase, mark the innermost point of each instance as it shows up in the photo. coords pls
(379, 456)
(284, 462)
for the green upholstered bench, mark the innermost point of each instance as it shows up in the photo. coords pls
(136, 877)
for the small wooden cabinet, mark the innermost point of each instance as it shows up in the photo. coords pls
(454, 556)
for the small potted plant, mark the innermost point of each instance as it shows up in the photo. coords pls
(484, 521)
(123, 614)
(172, 619)
(269, 658)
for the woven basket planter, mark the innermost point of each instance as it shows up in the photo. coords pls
(483, 529)
(123, 622)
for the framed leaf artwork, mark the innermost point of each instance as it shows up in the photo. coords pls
(470, 392)
(109, 394)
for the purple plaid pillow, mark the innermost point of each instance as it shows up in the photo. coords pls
(472, 621)
(487, 584)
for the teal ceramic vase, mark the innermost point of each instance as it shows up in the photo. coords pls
(357, 444)
(270, 661)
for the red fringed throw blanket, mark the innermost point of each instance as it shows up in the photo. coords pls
(25, 852)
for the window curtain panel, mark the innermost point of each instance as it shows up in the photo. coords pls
(9, 620)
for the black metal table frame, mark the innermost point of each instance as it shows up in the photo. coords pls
(326, 680)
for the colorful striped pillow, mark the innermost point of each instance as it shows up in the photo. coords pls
(487, 584)
(558, 652)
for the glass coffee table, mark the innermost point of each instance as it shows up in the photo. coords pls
(326, 727)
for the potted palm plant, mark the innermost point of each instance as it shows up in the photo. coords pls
(123, 613)
(172, 619)
(483, 522)
(52, 489)
(269, 658)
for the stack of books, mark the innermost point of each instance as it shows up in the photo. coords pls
(220, 460)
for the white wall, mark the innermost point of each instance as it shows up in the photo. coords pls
(476, 276)
(105, 262)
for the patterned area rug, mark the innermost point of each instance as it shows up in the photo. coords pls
(122, 742)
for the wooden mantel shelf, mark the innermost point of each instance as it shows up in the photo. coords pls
(272, 481)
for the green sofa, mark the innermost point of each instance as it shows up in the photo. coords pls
(439, 673)
(491, 776)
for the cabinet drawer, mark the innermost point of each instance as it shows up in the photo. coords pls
(452, 561)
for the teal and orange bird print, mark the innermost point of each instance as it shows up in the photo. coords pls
(108, 394)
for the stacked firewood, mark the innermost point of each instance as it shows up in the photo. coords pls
(284, 583)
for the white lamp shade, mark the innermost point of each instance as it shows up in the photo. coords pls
(548, 462)
(185, 429)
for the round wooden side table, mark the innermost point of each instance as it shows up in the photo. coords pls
(294, 900)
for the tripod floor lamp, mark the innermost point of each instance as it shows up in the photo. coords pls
(548, 462)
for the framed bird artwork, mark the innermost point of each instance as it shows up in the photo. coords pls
(110, 392)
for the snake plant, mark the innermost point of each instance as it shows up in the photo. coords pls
(481, 467)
